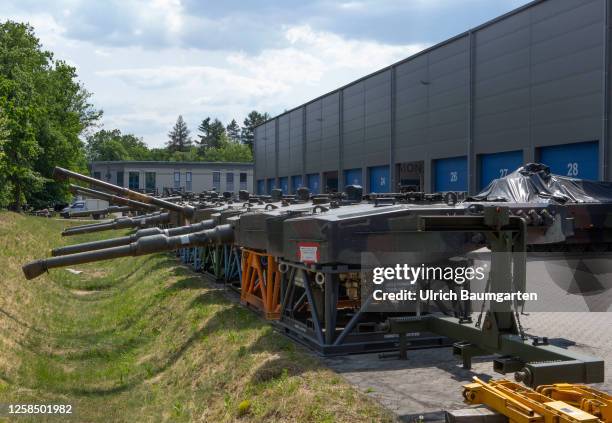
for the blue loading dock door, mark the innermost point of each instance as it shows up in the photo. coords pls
(379, 179)
(314, 185)
(261, 186)
(450, 174)
(498, 165)
(352, 177)
(296, 182)
(578, 160)
(284, 185)
(271, 186)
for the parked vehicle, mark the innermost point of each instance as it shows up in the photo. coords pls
(84, 205)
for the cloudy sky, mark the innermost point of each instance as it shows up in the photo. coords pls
(146, 62)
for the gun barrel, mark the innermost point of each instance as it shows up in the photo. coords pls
(114, 242)
(120, 223)
(90, 225)
(92, 246)
(187, 211)
(112, 198)
(147, 245)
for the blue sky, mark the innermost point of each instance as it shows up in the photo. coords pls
(146, 62)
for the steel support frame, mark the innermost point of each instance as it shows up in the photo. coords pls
(211, 259)
(260, 285)
(232, 267)
(321, 329)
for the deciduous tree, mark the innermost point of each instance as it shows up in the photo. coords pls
(45, 109)
(113, 145)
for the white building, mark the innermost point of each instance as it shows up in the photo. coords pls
(154, 176)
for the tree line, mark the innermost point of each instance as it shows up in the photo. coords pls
(213, 142)
(47, 120)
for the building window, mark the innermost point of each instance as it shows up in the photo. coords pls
(243, 180)
(150, 182)
(177, 180)
(229, 182)
(134, 181)
(188, 186)
(96, 175)
(120, 180)
(217, 181)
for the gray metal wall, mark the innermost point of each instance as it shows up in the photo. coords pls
(532, 78)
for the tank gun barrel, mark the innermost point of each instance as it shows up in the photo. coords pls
(221, 234)
(119, 223)
(188, 211)
(89, 225)
(114, 242)
(112, 198)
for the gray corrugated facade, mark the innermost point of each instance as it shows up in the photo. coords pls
(535, 77)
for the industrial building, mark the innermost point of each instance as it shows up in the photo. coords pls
(531, 85)
(157, 176)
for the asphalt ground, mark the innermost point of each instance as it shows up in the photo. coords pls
(430, 381)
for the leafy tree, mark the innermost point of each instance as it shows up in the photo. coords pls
(4, 182)
(45, 111)
(191, 155)
(233, 131)
(159, 154)
(178, 138)
(228, 151)
(252, 120)
(113, 145)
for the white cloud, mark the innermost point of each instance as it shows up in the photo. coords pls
(311, 63)
(143, 90)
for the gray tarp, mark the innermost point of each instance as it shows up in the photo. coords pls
(534, 183)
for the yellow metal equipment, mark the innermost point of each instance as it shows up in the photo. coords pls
(558, 403)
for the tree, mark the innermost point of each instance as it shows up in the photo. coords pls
(204, 134)
(5, 191)
(228, 151)
(45, 110)
(252, 120)
(179, 136)
(113, 145)
(217, 133)
(233, 131)
(211, 134)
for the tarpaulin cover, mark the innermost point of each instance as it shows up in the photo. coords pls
(533, 183)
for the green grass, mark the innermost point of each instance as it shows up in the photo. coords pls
(144, 339)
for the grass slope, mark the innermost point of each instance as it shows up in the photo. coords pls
(143, 339)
